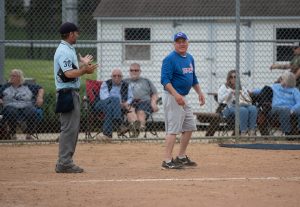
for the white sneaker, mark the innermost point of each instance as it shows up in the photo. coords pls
(252, 132)
(243, 134)
(103, 139)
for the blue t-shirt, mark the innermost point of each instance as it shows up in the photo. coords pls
(64, 58)
(285, 97)
(179, 71)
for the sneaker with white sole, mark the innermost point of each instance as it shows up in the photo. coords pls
(186, 161)
(68, 169)
(252, 132)
(171, 165)
(103, 139)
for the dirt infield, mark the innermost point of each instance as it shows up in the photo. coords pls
(129, 174)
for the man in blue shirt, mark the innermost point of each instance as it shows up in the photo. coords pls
(115, 95)
(67, 74)
(178, 76)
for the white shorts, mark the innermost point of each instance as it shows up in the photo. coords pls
(177, 118)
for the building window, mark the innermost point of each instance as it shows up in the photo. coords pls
(137, 51)
(284, 50)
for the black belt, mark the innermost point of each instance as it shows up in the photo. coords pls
(65, 90)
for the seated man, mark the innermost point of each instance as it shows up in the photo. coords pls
(20, 102)
(145, 97)
(285, 101)
(115, 95)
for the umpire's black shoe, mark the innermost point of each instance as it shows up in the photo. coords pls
(171, 165)
(68, 169)
(186, 161)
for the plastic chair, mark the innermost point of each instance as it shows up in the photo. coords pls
(6, 132)
(90, 118)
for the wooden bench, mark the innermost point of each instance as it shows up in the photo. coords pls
(213, 119)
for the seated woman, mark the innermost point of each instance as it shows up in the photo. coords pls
(285, 101)
(20, 102)
(248, 112)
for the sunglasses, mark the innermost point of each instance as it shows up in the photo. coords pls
(134, 70)
(117, 76)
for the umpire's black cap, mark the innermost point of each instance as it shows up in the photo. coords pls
(68, 27)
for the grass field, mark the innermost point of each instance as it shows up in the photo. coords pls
(40, 70)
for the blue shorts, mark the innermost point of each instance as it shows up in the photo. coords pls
(142, 106)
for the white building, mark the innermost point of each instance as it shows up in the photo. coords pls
(142, 30)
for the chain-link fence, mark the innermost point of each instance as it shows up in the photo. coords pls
(257, 39)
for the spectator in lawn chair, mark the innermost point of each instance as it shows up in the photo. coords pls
(21, 103)
(115, 97)
(285, 101)
(293, 66)
(248, 112)
(145, 98)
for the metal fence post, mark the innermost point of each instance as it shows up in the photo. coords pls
(69, 11)
(237, 63)
(2, 38)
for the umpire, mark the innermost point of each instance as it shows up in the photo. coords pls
(67, 72)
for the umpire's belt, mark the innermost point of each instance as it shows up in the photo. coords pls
(65, 90)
